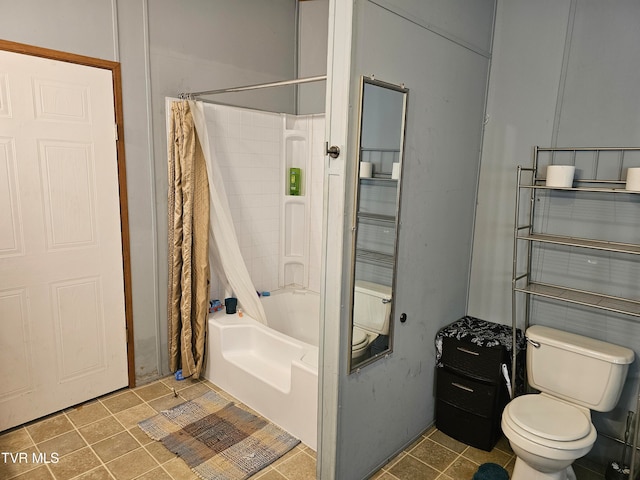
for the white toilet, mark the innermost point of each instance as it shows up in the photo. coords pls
(371, 311)
(575, 374)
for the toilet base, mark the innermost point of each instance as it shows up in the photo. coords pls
(522, 471)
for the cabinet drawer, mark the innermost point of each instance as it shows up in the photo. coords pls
(474, 430)
(482, 363)
(466, 394)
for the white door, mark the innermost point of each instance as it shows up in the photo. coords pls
(62, 317)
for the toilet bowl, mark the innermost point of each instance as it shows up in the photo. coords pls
(360, 342)
(548, 431)
(547, 434)
(371, 311)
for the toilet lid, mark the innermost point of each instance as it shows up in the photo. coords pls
(548, 418)
(358, 337)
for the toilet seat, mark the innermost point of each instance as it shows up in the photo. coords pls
(547, 422)
(360, 341)
(548, 418)
(359, 338)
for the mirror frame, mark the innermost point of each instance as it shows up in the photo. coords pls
(365, 80)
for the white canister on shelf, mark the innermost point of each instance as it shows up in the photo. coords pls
(633, 179)
(395, 171)
(366, 169)
(560, 176)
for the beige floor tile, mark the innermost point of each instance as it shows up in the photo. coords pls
(99, 473)
(388, 476)
(15, 440)
(116, 446)
(166, 402)
(63, 444)
(480, 456)
(434, 454)
(309, 451)
(139, 435)
(21, 462)
(429, 431)
(116, 441)
(87, 413)
(213, 386)
(504, 445)
(132, 464)
(382, 475)
(105, 428)
(413, 444)
(39, 473)
(395, 460)
(462, 468)
(269, 474)
(74, 464)
(49, 428)
(155, 474)
(410, 468)
(152, 391)
(447, 441)
(132, 416)
(121, 401)
(171, 383)
(510, 465)
(194, 391)
(299, 467)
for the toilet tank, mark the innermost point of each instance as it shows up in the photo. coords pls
(579, 369)
(372, 307)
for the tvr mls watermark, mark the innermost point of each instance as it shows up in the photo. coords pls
(24, 457)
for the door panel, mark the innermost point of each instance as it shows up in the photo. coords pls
(62, 315)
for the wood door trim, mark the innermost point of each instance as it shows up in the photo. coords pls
(114, 67)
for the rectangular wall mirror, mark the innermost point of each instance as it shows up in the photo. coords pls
(377, 200)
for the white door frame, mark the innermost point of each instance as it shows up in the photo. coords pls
(333, 334)
(114, 68)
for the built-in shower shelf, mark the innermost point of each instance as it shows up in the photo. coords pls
(581, 297)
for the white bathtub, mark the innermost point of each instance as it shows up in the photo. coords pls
(273, 370)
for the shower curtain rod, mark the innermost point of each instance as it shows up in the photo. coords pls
(255, 87)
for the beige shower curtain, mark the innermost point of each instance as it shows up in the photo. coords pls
(188, 224)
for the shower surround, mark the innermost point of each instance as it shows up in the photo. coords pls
(279, 235)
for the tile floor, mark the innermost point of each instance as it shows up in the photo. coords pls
(101, 440)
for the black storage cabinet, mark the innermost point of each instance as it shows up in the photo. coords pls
(471, 391)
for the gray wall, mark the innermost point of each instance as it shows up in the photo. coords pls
(445, 64)
(564, 73)
(313, 29)
(548, 89)
(164, 47)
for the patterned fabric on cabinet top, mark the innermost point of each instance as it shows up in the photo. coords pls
(481, 333)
